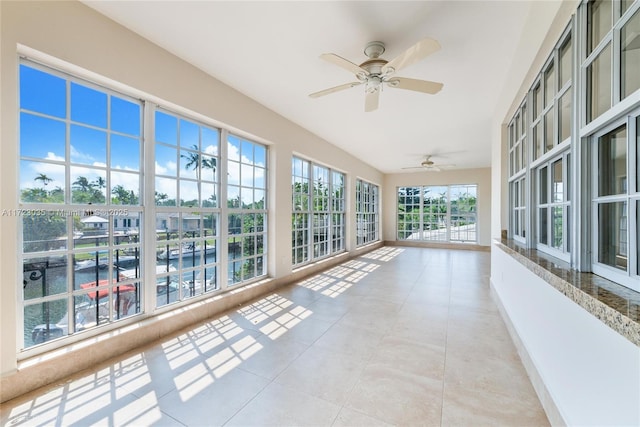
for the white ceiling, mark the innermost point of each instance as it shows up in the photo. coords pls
(269, 51)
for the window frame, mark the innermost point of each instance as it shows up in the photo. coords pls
(367, 212)
(631, 276)
(421, 225)
(303, 240)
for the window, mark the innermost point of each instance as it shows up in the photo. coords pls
(545, 177)
(608, 166)
(80, 175)
(518, 210)
(187, 211)
(88, 256)
(615, 203)
(300, 226)
(437, 213)
(630, 56)
(518, 141)
(613, 43)
(553, 206)
(247, 214)
(318, 211)
(367, 217)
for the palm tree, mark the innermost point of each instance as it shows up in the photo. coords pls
(161, 197)
(43, 178)
(82, 184)
(100, 182)
(193, 161)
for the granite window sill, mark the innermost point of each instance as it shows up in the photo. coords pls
(615, 305)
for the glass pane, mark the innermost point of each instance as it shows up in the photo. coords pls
(599, 84)
(125, 116)
(166, 160)
(125, 188)
(210, 138)
(88, 146)
(624, 5)
(544, 185)
(166, 192)
(638, 237)
(88, 106)
(558, 190)
(537, 101)
(44, 230)
(189, 135)
(612, 234)
(189, 164)
(543, 229)
(44, 276)
(166, 129)
(233, 148)
(125, 153)
(42, 92)
(42, 138)
(537, 140)
(549, 85)
(564, 116)
(599, 14)
(45, 321)
(88, 185)
(565, 62)
(638, 156)
(548, 131)
(41, 182)
(168, 290)
(208, 168)
(630, 56)
(512, 136)
(612, 163)
(556, 227)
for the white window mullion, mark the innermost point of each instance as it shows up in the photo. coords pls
(223, 220)
(148, 229)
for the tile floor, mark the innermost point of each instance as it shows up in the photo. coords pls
(399, 336)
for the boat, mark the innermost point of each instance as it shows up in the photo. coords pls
(187, 250)
(124, 261)
(94, 308)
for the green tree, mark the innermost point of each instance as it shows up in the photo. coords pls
(44, 179)
(122, 196)
(83, 191)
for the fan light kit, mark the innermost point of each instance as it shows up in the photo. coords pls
(375, 72)
(430, 166)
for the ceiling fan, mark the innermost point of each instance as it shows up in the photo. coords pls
(430, 166)
(375, 72)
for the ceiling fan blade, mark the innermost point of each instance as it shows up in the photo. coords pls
(334, 89)
(371, 100)
(343, 63)
(418, 51)
(415, 84)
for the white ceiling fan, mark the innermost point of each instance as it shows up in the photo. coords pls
(430, 166)
(375, 72)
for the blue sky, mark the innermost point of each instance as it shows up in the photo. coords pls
(98, 124)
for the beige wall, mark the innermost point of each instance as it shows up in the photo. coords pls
(481, 177)
(75, 34)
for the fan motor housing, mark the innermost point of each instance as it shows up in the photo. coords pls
(374, 66)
